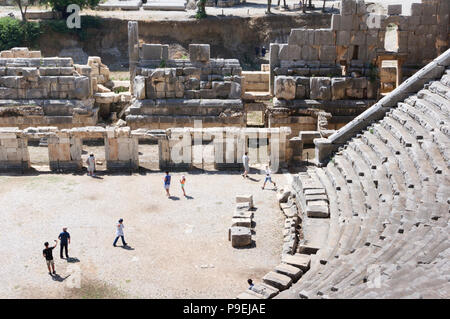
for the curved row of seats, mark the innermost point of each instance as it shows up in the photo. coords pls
(389, 193)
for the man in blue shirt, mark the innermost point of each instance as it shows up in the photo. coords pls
(167, 183)
(64, 237)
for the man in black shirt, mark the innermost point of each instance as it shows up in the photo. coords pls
(64, 237)
(48, 254)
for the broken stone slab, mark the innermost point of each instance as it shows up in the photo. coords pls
(277, 280)
(283, 195)
(240, 236)
(241, 222)
(298, 260)
(319, 211)
(288, 270)
(245, 199)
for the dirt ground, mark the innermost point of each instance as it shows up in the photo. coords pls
(179, 247)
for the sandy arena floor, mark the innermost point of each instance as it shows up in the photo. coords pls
(179, 247)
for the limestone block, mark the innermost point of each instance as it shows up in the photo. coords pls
(335, 22)
(320, 88)
(20, 52)
(285, 87)
(151, 51)
(319, 211)
(199, 52)
(293, 272)
(309, 53)
(139, 87)
(298, 260)
(348, 7)
(394, 9)
(338, 87)
(82, 87)
(323, 37)
(6, 54)
(327, 53)
(358, 38)
(240, 236)
(235, 91)
(277, 280)
(165, 52)
(247, 198)
(342, 37)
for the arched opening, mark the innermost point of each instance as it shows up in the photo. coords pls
(391, 38)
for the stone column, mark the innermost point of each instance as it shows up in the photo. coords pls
(273, 62)
(13, 150)
(164, 153)
(121, 149)
(133, 50)
(64, 151)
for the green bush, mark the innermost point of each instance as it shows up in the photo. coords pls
(61, 5)
(15, 33)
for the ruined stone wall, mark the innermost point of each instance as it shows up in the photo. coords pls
(43, 91)
(65, 147)
(170, 93)
(338, 69)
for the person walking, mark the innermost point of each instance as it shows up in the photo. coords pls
(245, 162)
(91, 165)
(183, 183)
(268, 178)
(48, 255)
(119, 233)
(64, 239)
(167, 179)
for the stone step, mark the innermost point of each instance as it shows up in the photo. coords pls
(405, 164)
(277, 280)
(435, 102)
(298, 260)
(288, 270)
(440, 89)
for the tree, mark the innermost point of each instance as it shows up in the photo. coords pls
(61, 5)
(23, 6)
(201, 10)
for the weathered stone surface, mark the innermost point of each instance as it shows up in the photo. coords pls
(298, 260)
(139, 87)
(247, 198)
(240, 236)
(277, 280)
(288, 270)
(285, 87)
(320, 88)
(199, 52)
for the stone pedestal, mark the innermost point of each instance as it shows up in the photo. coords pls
(13, 150)
(64, 152)
(121, 149)
(240, 236)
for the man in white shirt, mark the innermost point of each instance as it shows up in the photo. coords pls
(91, 164)
(119, 233)
(268, 178)
(245, 162)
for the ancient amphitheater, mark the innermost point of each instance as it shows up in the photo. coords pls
(355, 116)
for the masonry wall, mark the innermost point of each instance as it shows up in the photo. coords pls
(173, 93)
